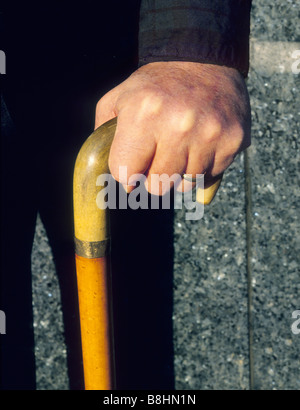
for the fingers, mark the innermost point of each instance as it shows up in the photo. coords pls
(157, 149)
(132, 150)
(166, 168)
(146, 146)
(199, 160)
(106, 107)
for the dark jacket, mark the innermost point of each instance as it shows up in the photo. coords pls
(207, 31)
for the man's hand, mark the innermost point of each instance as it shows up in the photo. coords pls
(176, 118)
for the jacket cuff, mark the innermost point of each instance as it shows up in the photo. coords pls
(204, 31)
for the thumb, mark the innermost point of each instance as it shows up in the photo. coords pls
(106, 107)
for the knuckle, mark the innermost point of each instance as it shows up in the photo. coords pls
(187, 120)
(212, 129)
(181, 120)
(150, 103)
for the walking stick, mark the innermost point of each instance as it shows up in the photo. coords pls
(92, 247)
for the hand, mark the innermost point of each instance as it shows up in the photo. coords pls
(176, 118)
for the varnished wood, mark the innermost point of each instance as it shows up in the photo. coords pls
(207, 194)
(90, 221)
(96, 323)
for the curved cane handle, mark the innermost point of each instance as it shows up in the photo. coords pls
(207, 194)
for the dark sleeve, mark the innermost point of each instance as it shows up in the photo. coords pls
(205, 31)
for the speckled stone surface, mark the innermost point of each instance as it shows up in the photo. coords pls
(50, 349)
(210, 292)
(229, 258)
(274, 162)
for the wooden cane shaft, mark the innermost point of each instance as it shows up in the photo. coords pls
(95, 322)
